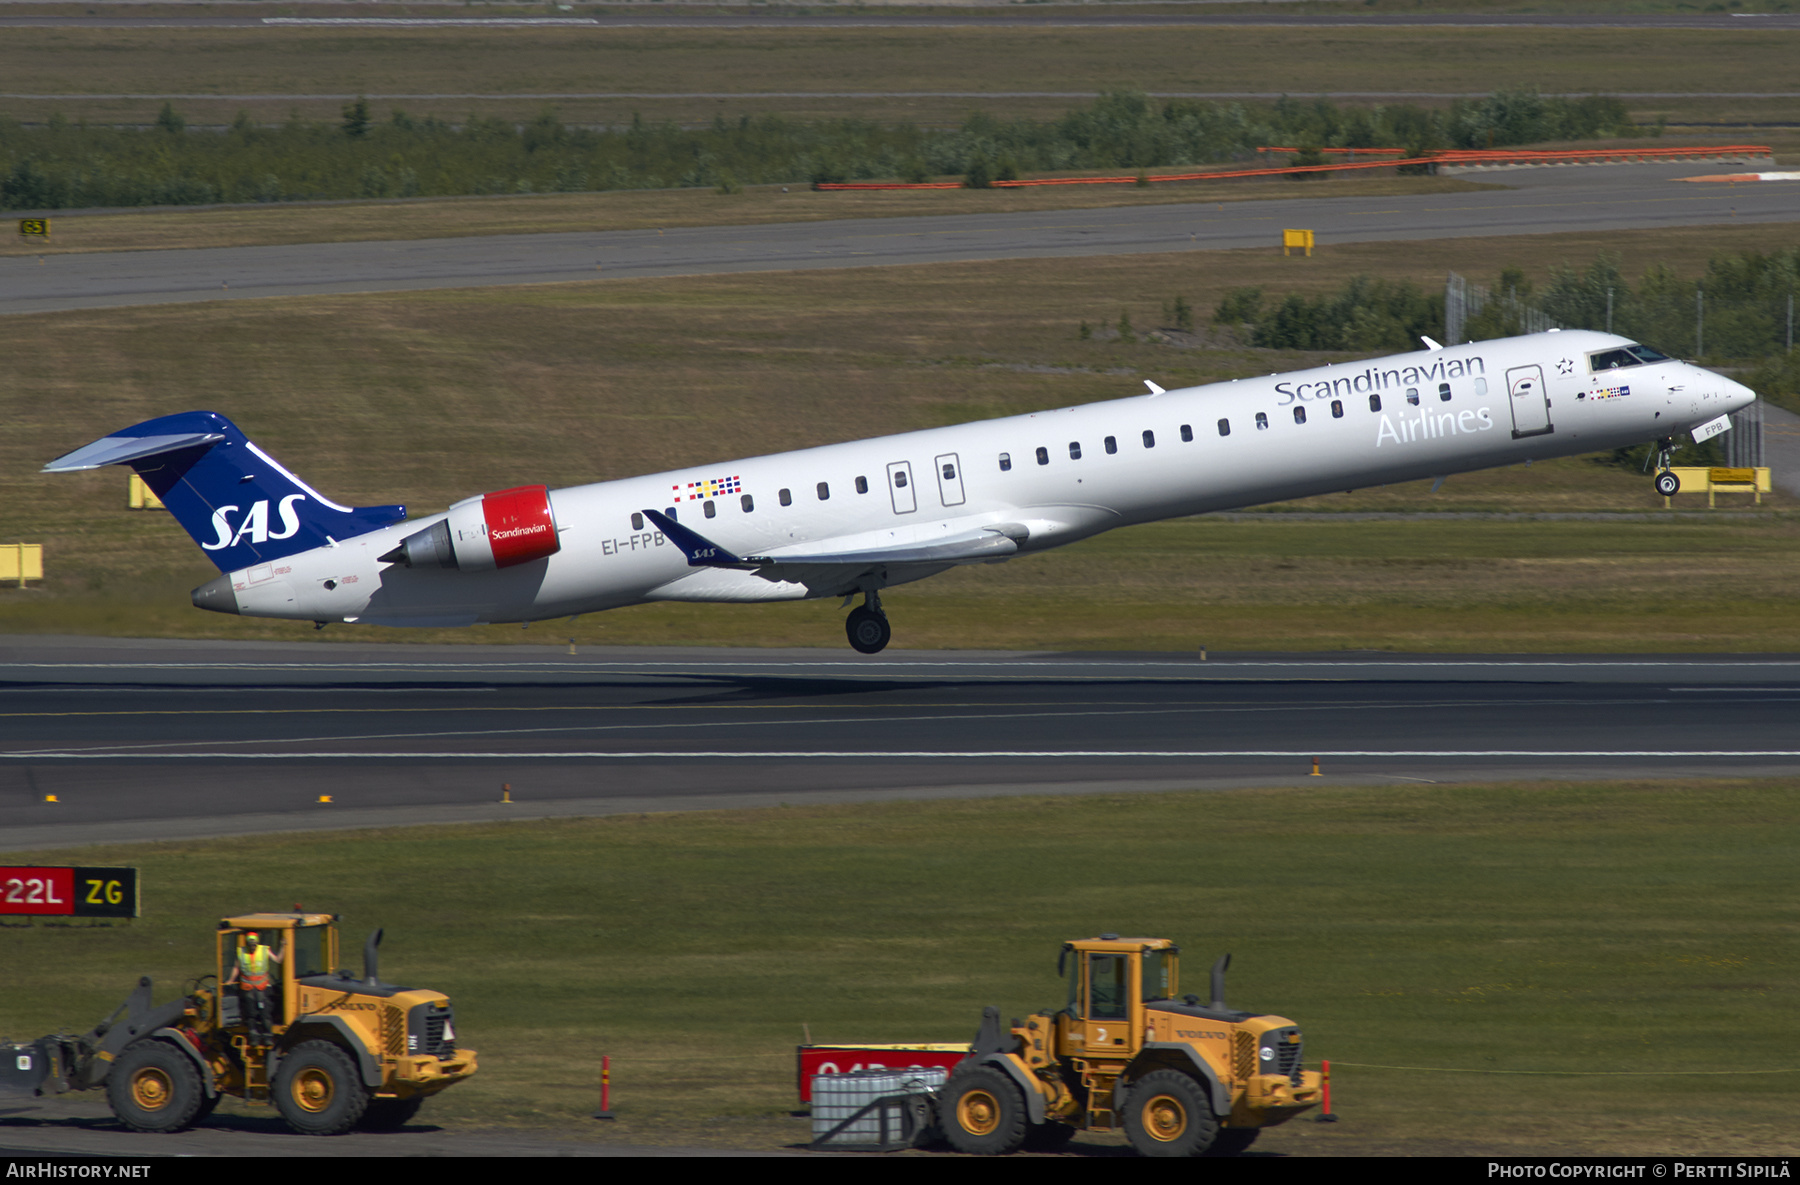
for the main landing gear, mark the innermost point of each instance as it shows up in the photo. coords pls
(867, 626)
(1667, 484)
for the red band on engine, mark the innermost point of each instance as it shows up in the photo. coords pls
(520, 526)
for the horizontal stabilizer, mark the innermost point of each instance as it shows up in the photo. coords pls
(121, 450)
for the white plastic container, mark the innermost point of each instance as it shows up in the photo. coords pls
(894, 1106)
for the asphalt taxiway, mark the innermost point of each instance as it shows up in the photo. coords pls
(108, 740)
(1536, 201)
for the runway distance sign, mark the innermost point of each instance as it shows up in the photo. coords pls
(27, 891)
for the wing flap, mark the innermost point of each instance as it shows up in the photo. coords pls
(956, 551)
(989, 543)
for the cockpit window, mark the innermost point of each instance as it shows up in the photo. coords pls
(1627, 356)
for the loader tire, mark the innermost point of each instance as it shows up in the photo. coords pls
(1167, 1113)
(390, 1115)
(1233, 1140)
(983, 1113)
(318, 1091)
(154, 1087)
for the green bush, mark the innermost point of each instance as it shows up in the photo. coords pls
(59, 165)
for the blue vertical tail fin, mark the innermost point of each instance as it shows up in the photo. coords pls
(240, 505)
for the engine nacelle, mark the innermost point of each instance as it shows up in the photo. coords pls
(485, 532)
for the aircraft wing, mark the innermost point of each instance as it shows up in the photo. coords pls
(988, 543)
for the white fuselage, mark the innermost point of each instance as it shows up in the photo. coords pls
(1181, 452)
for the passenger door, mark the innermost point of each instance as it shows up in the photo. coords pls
(900, 486)
(1530, 401)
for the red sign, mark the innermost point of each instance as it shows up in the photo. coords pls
(69, 892)
(843, 1059)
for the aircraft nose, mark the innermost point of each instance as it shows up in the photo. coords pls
(1737, 396)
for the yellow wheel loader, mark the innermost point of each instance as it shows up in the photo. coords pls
(1181, 1077)
(330, 1051)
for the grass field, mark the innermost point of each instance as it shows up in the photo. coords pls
(1569, 969)
(439, 394)
(722, 71)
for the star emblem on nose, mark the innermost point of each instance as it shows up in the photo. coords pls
(1566, 367)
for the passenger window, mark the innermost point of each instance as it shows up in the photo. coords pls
(710, 509)
(949, 471)
(1481, 386)
(670, 511)
(1187, 433)
(1224, 427)
(1112, 445)
(637, 522)
(1337, 409)
(1299, 415)
(1149, 438)
(1262, 420)
(1444, 392)
(1043, 455)
(1074, 450)
(824, 491)
(1412, 396)
(1374, 403)
(747, 503)
(787, 499)
(862, 485)
(1006, 462)
(899, 479)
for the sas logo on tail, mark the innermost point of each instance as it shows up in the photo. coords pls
(255, 524)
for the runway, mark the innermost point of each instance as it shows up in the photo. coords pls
(896, 17)
(1538, 201)
(103, 740)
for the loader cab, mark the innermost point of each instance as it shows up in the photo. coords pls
(1110, 979)
(306, 942)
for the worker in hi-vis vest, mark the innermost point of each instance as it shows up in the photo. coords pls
(252, 975)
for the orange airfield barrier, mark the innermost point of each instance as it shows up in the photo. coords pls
(1454, 156)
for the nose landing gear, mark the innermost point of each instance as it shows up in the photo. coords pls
(867, 626)
(1667, 484)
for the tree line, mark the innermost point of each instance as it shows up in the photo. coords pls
(64, 164)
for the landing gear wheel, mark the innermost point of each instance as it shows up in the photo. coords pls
(1667, 484)
(390, 1115)
(318, 1091)
(868, 630)
(1168, 1114)
(154, 1087)
(1233, 1140)
(983, 1113)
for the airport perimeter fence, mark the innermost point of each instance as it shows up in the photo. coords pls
(1466, 302)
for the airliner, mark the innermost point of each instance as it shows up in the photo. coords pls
(849, 520)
